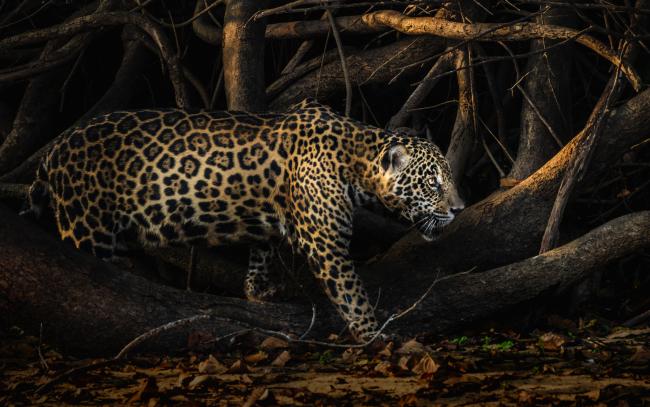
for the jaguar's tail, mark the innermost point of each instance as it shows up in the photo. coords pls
(39, 194)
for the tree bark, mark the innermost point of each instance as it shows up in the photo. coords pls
(243, 56)
(547, 84)
(134, 61)
(37, 108)
(378, 65)
(463, 135)
(472, 297)
(89, 307)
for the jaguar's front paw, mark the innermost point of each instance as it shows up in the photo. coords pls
(364, 333)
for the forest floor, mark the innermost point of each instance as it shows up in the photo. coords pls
(574, 362)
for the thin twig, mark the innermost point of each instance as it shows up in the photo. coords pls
(377, 334)
(420, 93)
(311, 323)
(121, 355)
(157, 331)
(344, 65)
(496, 31)
(40, 350)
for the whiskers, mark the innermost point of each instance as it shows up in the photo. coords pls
(435, 222)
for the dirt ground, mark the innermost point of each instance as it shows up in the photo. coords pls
(577, 363)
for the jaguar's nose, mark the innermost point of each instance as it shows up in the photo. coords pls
(457, 209)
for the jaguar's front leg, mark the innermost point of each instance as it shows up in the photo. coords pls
(345, 289)
(257, 285)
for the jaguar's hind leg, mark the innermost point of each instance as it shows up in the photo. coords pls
(92, 234)
(258, 286)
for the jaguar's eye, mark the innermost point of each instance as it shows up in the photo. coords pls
(433, 183)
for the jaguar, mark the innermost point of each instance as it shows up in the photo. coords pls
(176, 177)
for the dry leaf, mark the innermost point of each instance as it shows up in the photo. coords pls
(211, 366)
(411, 347)
(388, 350)
(256, 357)
(383, 368)
(426, 366)
(147, 389)
(351, 355)
(274, 343)
(183, 378)
(197, 381)
(239, 367)
(641, 356)
(259, 393)
(551, 341)
(403, 362)
(282, 359)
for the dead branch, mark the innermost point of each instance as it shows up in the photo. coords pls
(294, 29)
(243, 56)
(37, 107)
(344, 67)
(463, 135)
(545, 90)
(301, 70)
(496, 32)
(134, 61)
(579, 162)
(443, 64)
(87, 306)
(513, 221)
(202, 26)
(479, 295)
(377, 65)
(105, 19)
(91, 307)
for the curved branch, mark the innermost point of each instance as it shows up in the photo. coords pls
(496, 32)
(471, 297)
(99, 20)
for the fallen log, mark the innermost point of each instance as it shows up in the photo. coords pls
(90, 307)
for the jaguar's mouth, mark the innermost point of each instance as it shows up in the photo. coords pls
(431, 226)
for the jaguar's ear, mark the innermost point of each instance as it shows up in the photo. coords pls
(395, 158)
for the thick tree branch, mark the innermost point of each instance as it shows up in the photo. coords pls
(87, 306)
(513, 221)
(134, 61)
(546, 84)
(496, 32)
(243, 56)
(469, 298)
(98, 20)
(463, 135)
(377, 65)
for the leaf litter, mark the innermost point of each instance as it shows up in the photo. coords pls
(564, 368)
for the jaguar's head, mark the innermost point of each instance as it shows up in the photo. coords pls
(416, 182)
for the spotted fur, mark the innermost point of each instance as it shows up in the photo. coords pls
(221, 177)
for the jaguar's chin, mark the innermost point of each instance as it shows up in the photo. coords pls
(431, 235)
(431, 227)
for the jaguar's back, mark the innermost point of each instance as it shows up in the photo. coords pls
(173, 176)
